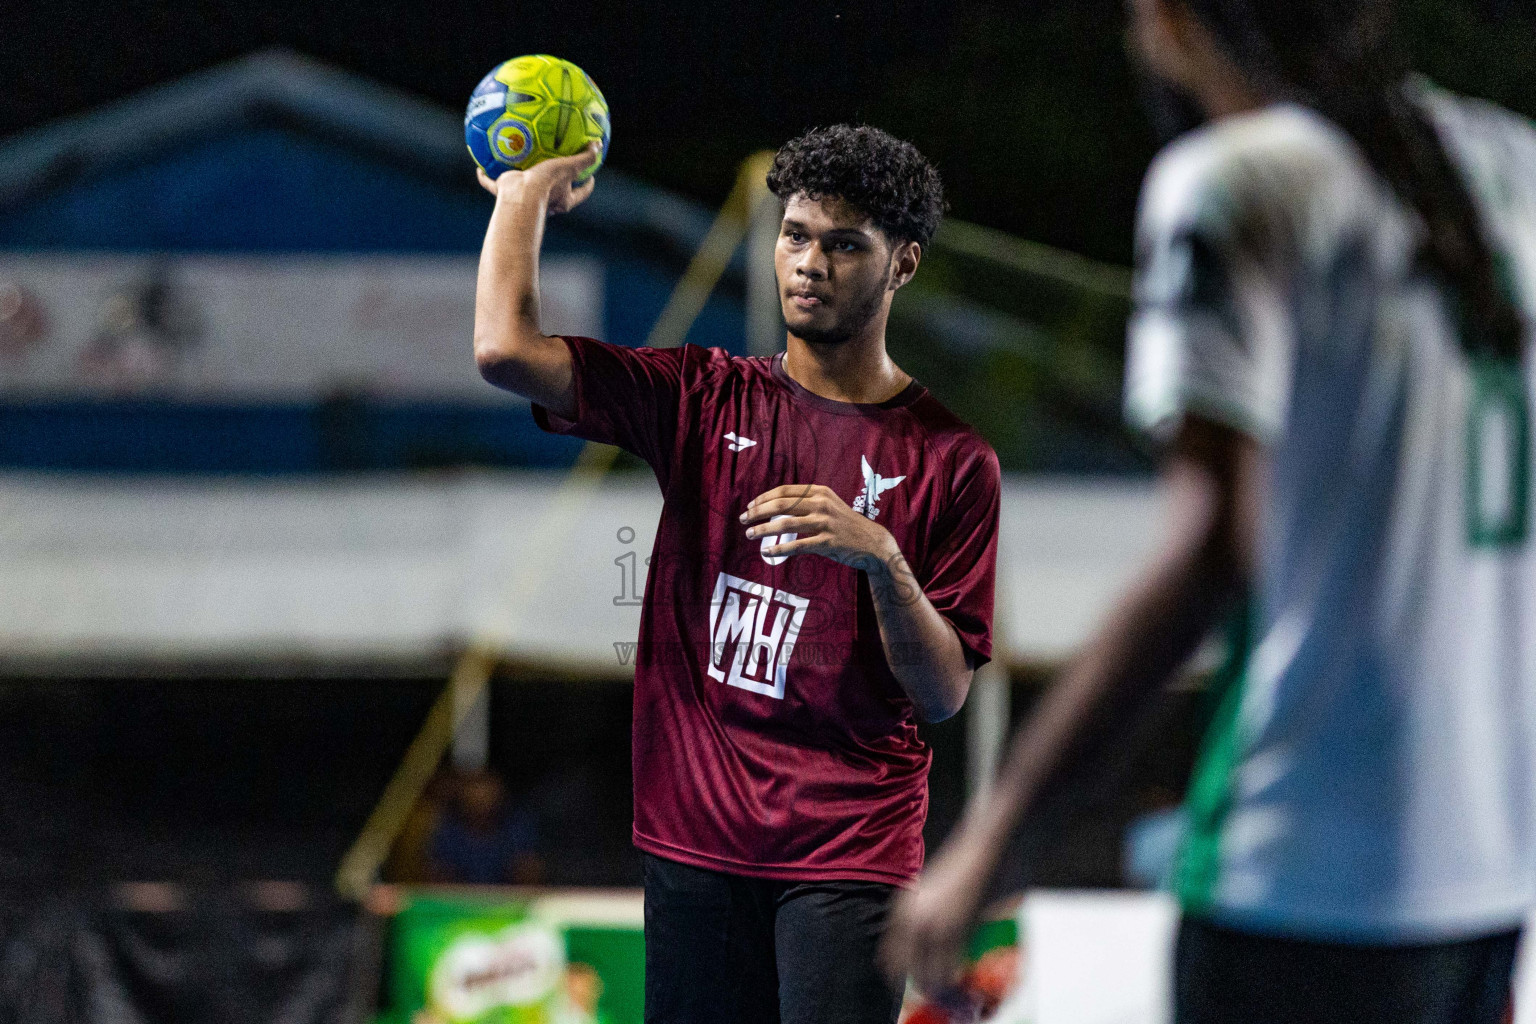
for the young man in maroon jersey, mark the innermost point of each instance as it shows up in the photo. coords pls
(780, 784)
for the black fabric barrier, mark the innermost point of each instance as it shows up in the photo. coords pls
(163, 955)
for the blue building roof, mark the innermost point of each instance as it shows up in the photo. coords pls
(277, 153)
(277, 133)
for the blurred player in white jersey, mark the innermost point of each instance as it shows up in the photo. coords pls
(1335, 277)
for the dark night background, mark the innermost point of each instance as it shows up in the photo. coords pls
(1029, 108)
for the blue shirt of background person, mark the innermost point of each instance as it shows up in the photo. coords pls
(480, 840)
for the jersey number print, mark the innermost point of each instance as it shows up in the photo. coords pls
(1498, 455)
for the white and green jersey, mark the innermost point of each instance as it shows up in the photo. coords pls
(1369, 775)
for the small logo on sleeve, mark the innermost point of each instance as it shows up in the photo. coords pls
(874, 486)
(735, 442)
(752, 632)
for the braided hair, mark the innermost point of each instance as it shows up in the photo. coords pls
(1341, 58)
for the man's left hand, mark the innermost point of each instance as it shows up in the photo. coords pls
(824, 525)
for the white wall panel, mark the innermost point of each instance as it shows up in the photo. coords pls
(380, 568)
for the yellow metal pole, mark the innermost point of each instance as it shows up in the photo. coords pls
(1034, 259)
(714, 254)
(360, 866)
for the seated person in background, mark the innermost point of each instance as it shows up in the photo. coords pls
(481, 840)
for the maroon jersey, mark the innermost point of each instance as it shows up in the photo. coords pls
(770, 737)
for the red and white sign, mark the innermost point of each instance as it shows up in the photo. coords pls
(263, 329)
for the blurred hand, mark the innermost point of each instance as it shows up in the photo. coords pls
(552, 182)
(931, 923)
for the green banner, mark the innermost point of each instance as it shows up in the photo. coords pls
(464, 959)
(572, 958)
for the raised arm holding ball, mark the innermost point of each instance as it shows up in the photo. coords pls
(511, 349)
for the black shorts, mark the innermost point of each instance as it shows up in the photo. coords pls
(1223, 976)
(724, 949)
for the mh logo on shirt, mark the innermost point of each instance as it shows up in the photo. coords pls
(752, 631)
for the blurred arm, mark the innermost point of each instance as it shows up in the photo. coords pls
(1213, 479)
(511, 349)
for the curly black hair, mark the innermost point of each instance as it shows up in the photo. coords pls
(870, 170)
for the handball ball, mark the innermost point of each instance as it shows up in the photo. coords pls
(532, 108)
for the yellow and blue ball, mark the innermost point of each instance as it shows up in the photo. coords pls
(532, 108)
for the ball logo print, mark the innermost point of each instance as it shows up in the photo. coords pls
(512, 141)
(532, 108)
(483, 103)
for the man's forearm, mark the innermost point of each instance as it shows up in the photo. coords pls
(511, 350)
(922, 648)
(507, 288)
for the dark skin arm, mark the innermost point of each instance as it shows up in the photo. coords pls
(1213, 478)
(511, 349)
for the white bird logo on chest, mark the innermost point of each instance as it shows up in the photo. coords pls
(874, 486)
